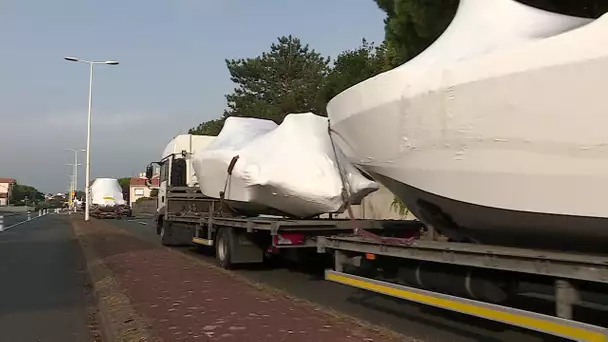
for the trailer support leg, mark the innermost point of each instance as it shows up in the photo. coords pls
(565, 297)
(339, 260)
(431, 233)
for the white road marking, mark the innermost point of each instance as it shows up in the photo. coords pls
(22, 222)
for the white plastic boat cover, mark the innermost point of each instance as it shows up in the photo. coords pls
(290, 167)
(106, 192)
(506, 110)
(382, 103)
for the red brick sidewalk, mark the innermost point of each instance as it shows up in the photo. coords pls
(181, 298)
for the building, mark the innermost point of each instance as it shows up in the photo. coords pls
(138, 188)
(6, 189)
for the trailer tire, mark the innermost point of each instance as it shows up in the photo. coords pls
(223, 248)
(159, 224)
(166, 233)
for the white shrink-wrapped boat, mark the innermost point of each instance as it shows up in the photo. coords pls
(287, 169)
(106, 192)
(107, 200)
(497, 132)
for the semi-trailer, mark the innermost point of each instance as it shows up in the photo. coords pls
(399, 258)
(186, 216)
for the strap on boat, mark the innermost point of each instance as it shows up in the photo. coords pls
(228, 175)
(346, 199)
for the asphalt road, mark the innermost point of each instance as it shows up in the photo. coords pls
(421, 322)
(43, 295)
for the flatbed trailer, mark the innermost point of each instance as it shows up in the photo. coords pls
(189, 217)
(459, 276)
(101, 214)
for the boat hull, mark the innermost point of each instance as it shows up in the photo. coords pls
(467, 222)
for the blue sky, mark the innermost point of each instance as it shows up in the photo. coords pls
(172, 74)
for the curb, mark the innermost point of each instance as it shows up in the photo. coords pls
(118, 320)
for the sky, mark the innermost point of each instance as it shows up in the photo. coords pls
(171, 77)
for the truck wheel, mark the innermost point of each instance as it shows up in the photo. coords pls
(165, 233)
(159, 225)
(223, 248)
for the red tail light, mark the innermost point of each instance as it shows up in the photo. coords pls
(288, 239)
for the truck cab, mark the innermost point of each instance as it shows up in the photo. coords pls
(176, 168)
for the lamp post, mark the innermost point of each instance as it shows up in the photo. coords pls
(70, 190)
(73, 182)
(88, 158)
(75, 166)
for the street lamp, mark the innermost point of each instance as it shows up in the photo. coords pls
(71, 187)
(88, 161)
(75, 166)
(73, 182)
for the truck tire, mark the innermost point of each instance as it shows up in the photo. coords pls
(166, 233)
(223, 248)
(159, 224)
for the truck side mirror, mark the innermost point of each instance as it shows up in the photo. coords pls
(149, 171)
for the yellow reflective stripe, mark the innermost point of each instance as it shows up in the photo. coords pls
(202, 241)
(550, 327)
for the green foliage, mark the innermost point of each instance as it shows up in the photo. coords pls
(292, 78)
(154, 193)
(284, 80)
(21, 192)
(353, 66)
(399, 207)
(125, 183)
(412, 25)
(142, 199)
(211, 127)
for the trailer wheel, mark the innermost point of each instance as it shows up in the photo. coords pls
(165, 233)
(223, 250)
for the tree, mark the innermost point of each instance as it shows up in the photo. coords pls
(412, 25)
(211, 127)
(353, 66)
(20, 192)
(125, 185)
(287, 79)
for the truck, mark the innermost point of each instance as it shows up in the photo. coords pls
(186, 216)
(107, 200)
(399, 258)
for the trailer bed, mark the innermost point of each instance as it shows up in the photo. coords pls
(557, 264)
(566, 269)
